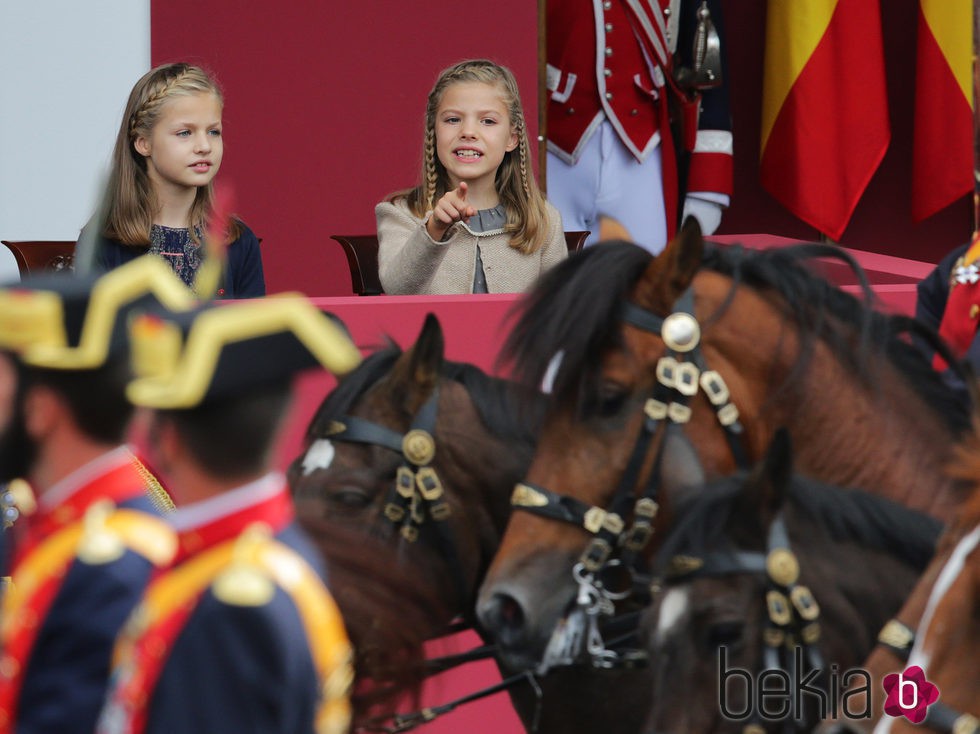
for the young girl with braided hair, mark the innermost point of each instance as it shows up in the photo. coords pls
(478, 222)
(160, 195)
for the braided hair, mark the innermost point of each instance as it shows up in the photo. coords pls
(130, 201)
(527, 215)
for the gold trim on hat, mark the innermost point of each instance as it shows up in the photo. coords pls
(117, 288)
(218, 327)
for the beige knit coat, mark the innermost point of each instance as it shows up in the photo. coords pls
(410, 262)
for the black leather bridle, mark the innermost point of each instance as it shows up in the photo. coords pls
(417, 494)
(680, 373)
(792, 622)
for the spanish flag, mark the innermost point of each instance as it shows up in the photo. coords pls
(824, 108)
(942, 146)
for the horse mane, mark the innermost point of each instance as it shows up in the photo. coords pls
(846, 514)
(506, 409)
(965, 467)
(822, 310)
(387, 620)
(575, 310)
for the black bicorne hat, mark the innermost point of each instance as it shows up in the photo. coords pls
(221, 350)
(63, 321)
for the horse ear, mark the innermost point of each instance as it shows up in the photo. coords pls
(769, 482)
(421, 365)
(672, 271)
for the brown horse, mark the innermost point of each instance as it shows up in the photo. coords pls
(771, 580)
(663, 368)
(947, 641)
(371, 432)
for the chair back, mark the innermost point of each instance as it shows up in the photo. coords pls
(362, 258)
(33, 256)
(576, 240)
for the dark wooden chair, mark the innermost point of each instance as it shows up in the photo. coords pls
(576, 240)
(362, 259)
(37, 255)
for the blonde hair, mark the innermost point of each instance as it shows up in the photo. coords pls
(527, 215)
(130, 201)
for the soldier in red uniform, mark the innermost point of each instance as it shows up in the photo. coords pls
(948, 299)
(615, 82)
(92, 531)
(240, 632)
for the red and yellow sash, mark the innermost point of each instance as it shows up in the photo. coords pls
(149, 636)
(38, 576)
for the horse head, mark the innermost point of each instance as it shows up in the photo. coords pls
(610, 318)
(945, 610)
(758, 589)
(663, 370)
(400, 449)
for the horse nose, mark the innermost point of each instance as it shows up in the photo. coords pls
(503, 617)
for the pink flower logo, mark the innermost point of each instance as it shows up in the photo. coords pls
(909, 694)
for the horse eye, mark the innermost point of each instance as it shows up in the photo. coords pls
(351, 499)
(611, 399)
(724, 634)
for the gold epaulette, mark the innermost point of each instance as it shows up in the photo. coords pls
(109, 532)
(99, 538)
(259, 563)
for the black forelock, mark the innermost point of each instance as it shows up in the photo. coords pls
(704, 517)
(574, 308)
(506, 409)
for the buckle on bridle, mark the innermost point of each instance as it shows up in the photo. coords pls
(595, 555)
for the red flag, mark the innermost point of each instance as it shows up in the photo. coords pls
(942, 147)
(825, 122)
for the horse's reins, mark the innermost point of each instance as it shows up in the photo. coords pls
(680, 373)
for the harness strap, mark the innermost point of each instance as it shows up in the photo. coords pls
(543, 502)
(418, 492)
(944, 718)
(352, 429)
(898, 638)
(641, 318)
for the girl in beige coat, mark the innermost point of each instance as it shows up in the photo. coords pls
(478, 222)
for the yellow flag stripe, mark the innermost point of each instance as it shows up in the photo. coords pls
(951, 23)
(793, 30)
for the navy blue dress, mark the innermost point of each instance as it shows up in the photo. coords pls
(243, 277)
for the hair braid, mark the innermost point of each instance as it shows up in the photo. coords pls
(138, 120)
(431, 174)
(524, 150)
(528, 219)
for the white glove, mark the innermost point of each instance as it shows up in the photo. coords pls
(708, 213)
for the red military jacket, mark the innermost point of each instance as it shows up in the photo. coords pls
(77, 571)
(239, 565)
(961, 316)
(613, 60)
